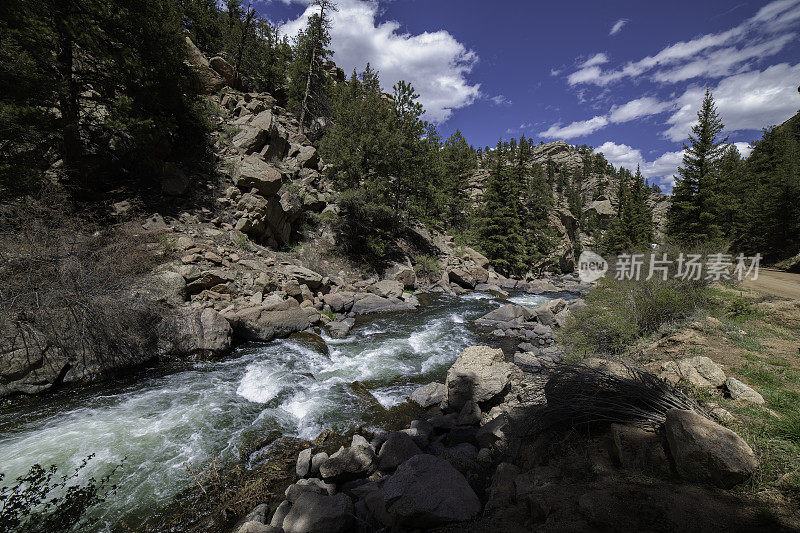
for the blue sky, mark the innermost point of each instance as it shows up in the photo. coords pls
(625, 77)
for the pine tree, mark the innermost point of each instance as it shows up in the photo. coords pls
(459, 160)
(693, 215)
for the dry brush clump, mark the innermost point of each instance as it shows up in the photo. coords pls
(67, 283)
(581, 397)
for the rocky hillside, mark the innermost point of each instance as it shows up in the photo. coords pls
(599, 196)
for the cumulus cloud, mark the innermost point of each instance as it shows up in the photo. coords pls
(713, 55)
(744, 148)
(575, 129)
(747, 101)
(617, 27)
(435, 63)
(661, 170)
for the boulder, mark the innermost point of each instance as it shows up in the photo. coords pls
(372, 303)
(255, 173)
(303, 466)
(210, 278)
(339, 302)
(479, 374)
(315, 485)
(206, 79)
(402, 273)
(166, 287)
(639, 449)
(740, 391)
(320, 513)
(303, 275)
(426, 492)
(706, 452)
(174, 182)
(253, 526)
(506, 313)
(397, 449)
(348, 464)
(29, 362)
(387, 288)
(502, 492)
(340, 328)
(261, 323)
(307, 157)
(698, 371)
(194, 332)
(226, 70)
(429, 395)
(462, 278)
(476, 257)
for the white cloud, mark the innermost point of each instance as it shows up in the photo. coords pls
(575, 129)
(597, 59)
(747, 101)
(660, 171)
(500, 100)
(638, 108)
(712, 55)
(435, 63)
(617, 27)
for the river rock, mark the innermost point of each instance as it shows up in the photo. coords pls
(479, 374)
(339, 302)
(303, 466)
(261, 323)
(320, 513)
(707, 452)
(387, 288)
(397, 449)
(194, 332)
(29, 362)
(462, 278)
(253, 526)
(427, 492)
(740, 391)
(428, 395)
(348, 464)
(505, 314)
(402, 273)
(372, 303)
(698, 371)
(280, 514)
(316, 462)
(339, 329)
(315, 485)
(303, 275)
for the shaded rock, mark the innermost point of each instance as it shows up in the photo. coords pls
(319, 513)
(206, 80)
(426, 492)
(316, 462)
(226, 70)
(402, 273)
(372, 303)
(428, 395)
(740, 391)
(491, 432)
(502, 492)
(307, 157)
(280, 513)
(479, 374)
(303, 275)
(462, 278)
(504, 314)
(707, 452)
(470, 414)
(167, 287)
(397, 449)
(314, 485)
(340, 329)
(253, 526)
(638, 448)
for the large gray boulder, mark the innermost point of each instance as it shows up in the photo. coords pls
(506, 313)
(206, 80)
(166, 287)
(740, 391)
(706, 452)
(348, 464)
(29, 362)
(253, 172)
(320, 513)
(427, 492)
(402, 273)
(260, 323)
(339, 302)
(194, 332)
(372, 303)
(479, 374)
(303, 275)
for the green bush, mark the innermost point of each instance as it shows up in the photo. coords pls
(620, 312)
(426, 266)
(368, 229)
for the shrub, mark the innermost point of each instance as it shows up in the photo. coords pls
(426, 266)
(618, 312)
(368, 229)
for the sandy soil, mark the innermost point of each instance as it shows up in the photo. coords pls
(777, 283)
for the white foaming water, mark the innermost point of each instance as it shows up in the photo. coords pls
(160, 423)
(528, 300)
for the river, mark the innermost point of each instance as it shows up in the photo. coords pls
(162, 418)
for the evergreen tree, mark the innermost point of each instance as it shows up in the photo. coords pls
(459, 160)
(692, 216)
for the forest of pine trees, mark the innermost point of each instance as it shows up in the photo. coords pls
(750, 205)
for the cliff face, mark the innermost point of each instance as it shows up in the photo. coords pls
(598, 193)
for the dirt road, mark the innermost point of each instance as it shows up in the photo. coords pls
(776, 282)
